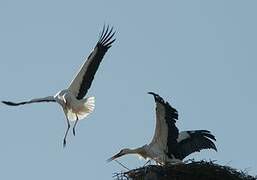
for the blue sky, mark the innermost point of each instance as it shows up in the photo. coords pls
(198, 55)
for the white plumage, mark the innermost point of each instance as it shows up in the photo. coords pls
(71, 99)
(168, 145)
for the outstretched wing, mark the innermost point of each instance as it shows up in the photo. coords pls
(83, 80)
(36, 100)
(194, 141)
(166, 132)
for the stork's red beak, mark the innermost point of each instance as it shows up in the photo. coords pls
(114, 157)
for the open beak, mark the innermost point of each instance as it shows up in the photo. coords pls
(114, 157)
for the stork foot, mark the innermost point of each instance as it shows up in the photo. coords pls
(73, 131)
(64, 143)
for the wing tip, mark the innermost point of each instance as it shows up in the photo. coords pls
(213, 146)
(9, 103)
(106, 36)
(208, 134)
(156, 96)
(159, 99)
(209, 139)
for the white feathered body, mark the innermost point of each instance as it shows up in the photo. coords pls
(74, 108)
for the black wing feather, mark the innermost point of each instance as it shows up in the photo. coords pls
(46, 99)
(95, 59)
(198, 140)
(171, 116)
(9, 103)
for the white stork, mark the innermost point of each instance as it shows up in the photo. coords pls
(71, 99)
(168, 145)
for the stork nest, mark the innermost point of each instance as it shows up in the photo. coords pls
(195, 170)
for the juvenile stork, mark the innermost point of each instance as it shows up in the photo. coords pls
(71, 99)
(168, 145)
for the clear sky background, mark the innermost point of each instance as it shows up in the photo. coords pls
(198, 55)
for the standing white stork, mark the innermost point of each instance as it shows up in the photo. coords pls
(71, 99)
(168, 145)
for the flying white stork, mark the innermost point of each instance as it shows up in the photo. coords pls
(71, 99)
(168, 145)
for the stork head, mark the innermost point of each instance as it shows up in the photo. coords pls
(119, 154)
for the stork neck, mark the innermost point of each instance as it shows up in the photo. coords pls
(141, 151)
(134, 151)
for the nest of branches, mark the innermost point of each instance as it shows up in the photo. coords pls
(195, 170)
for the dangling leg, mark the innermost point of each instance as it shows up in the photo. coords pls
(75, 125)
(64, 139)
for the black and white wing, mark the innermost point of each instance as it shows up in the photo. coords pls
(166, 132)
(83, 80)
(36, 100)
(194, 141)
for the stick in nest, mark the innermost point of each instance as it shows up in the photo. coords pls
(122, 165)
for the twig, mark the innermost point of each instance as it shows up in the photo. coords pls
(122, 165)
